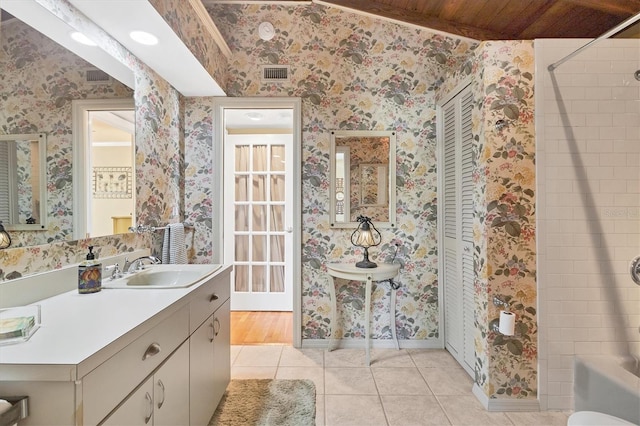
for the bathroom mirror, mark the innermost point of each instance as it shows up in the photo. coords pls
(42, 70)
(363, 177)
(23, 182)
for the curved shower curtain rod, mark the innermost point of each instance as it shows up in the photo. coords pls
(608, 34)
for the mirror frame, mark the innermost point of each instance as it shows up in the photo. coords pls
(42, 157)
(82, 158)
(391, 181)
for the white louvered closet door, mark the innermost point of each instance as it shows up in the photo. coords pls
(457, 238)
(8, 182)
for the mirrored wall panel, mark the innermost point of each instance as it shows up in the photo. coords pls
(363, 177)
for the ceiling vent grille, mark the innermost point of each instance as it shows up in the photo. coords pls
(96, 76)
(276, 73)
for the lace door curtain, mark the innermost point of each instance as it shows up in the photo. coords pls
(257, 214)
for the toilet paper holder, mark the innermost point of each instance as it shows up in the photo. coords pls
(495, 324)
(499, 302)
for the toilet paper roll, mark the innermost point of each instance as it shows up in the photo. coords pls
(507, 324)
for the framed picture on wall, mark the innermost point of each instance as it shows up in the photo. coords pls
(112, 182)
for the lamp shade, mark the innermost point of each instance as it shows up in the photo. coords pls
(365, 238)
(366, 235)
(5, 239)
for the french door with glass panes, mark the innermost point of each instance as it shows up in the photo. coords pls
(258, 217)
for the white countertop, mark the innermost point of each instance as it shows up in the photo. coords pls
(80, 331)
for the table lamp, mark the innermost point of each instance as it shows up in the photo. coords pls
(5, 239)
(364, 237)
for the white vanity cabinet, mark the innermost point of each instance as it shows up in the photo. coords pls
(210, 360)
(109, 384)
(161, 400)
(125, 357)
(210, 352)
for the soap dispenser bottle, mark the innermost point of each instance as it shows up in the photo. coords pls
(90, 274)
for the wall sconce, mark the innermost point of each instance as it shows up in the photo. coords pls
(365, 237)
(5, 239)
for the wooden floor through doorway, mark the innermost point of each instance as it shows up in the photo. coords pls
(261, 328)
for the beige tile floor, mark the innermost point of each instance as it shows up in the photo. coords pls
(404, 388)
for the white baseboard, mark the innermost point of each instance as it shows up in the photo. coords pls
(505, 404)
(375, 344)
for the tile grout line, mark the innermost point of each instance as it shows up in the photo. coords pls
(375, 383)
(432, 392)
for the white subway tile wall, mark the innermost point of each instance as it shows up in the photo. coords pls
(588, 173)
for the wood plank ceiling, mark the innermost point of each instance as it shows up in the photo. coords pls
(505, 19)
(501, 19)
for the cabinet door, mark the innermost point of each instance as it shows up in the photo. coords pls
(457, 188)
(221, 352)
(171, 390)
(201, 374)
(137, 410)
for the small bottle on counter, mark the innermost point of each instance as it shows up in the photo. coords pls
(90, 274)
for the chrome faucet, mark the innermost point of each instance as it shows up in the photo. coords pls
(137, 264)
(115, 271)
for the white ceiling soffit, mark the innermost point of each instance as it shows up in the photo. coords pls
(45, 22)
(260, 118)
(121, 120)
(170, 57)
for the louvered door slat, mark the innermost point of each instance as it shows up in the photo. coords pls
(4, 181)
(452, 307)
(468, 307)
(466, 166)
(449, 172)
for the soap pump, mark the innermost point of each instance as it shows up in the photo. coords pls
(90, 274)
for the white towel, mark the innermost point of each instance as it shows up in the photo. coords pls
(174, 249)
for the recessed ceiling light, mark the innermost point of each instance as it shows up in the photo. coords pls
(255, 116)
(144, 37)
(82, 39)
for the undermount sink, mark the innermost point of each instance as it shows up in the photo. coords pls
(163, 276)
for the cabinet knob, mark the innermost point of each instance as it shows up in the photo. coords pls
(153, 349)
(213, 297)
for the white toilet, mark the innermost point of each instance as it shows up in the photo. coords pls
(593, 418)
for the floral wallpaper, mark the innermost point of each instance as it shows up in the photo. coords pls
(39, 79)
(501, 78)
(159, 161)
(355, 72)
(180, 16)
(508, 159)
(198, 175)
(22, 261)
